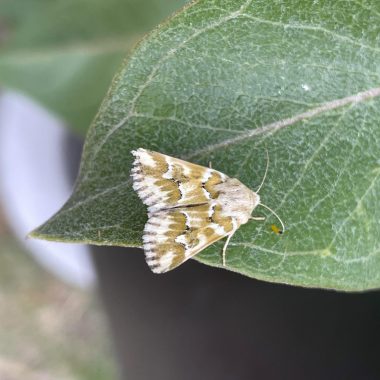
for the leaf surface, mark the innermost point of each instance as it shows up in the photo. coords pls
(223, 81)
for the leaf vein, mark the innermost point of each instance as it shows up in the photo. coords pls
(349, 216)
(278, 125)
(191, 125)
(312, 28)
(155, 69)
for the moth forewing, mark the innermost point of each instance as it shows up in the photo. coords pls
(174, 235)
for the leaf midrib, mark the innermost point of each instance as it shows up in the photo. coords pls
(277, 125)
(267, 129)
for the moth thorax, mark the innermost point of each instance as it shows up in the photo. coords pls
(237, 200)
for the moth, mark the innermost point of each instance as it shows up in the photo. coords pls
(189, 207)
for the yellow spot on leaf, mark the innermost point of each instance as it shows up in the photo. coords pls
(326, 252)
(276, 230)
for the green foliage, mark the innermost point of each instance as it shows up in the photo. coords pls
(65, 52)
(223, 81)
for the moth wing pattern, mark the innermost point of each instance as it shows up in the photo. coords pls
(174, 235)
(162, 181)
(189, 207)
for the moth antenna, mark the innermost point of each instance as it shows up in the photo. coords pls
(265, 174)
(279, 219)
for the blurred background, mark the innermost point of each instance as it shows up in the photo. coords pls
(79, 312)
(57, 60)
(48, 329)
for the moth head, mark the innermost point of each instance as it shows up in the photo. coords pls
(255, 199)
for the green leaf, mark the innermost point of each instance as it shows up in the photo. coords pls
(223, 81)
(64, 53)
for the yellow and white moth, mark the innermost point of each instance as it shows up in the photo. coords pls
(189, 207)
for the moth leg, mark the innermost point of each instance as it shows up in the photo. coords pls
(225, 247)
(257, 217)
